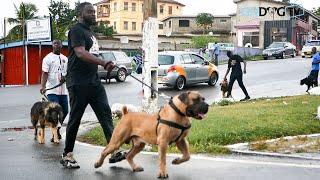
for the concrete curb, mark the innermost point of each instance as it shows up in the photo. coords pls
(241, 148)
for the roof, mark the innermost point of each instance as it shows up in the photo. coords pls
(272, 1)
(159, 1)
(177, 17)
(20, 43)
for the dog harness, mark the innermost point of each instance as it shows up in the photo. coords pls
(171, 123)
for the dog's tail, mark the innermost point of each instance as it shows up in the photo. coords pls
(124, 110)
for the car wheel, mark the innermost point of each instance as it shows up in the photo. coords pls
(180, 83)
(294, 54)
(213, 79)
(121, 75)
(302, 56)
(282, 55)
(265, 58)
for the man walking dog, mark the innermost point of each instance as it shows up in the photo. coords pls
(83, 83)
(54, 68)
(236, 73)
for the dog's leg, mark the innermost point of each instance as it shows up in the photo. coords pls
(35, 133)
(55, 135)
(41, 136)
(162, 148)
(137, 146)
(111, 147)
(183, 146)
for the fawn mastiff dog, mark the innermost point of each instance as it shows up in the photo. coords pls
(170, 124)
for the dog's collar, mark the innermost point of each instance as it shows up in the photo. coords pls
(175, 108)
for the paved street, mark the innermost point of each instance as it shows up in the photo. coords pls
(23, 158)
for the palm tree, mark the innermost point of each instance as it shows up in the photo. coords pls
(24, 12)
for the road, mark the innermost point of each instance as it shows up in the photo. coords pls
(23, 158)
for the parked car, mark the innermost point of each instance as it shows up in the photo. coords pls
(180, 68)
(279, 50)
(306, 50)
(121, 60)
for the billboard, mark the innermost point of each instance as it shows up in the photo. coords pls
(38, 30)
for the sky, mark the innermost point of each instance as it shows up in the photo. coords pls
(193, 7)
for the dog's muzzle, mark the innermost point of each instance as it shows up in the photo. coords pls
(197, 111)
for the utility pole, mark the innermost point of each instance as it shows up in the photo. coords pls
(150, 55)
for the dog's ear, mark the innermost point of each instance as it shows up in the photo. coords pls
(183, 97)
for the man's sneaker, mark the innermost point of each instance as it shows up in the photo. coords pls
(68, 161)
(117, 157)
(246, 98)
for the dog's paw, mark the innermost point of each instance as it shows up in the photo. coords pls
(57, 142)
(41, 141)
(163, 174)
(176, 161)
(97, 164)
(138, 169)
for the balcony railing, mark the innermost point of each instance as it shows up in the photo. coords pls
(103, 15)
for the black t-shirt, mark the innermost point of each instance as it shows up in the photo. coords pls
(80, 72)
(236, 67)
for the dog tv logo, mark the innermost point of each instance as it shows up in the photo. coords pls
(292, 11)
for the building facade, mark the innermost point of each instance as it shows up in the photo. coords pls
(258, 23)
(126, 16)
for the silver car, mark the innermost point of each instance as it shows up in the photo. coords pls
(121, 60)
(179, 68)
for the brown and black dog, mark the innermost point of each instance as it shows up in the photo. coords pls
(224, 87)
(47, 114)
(171, 124)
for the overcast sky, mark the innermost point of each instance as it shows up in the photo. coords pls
(193, 7)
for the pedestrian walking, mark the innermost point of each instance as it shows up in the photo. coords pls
(315, 66)
(54, 69)
(236, 73)
(84, 84)
(216, 53)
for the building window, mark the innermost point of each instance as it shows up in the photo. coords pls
(314, 25)
(184, 23)
(142, 7)
(161, 9)
(170, 9)
(252, 38)
(115, 25)
(160, 26)
(177, 7)
(278, 34)
(223, 20)
(125, 6)
(134, 26)
(125, 25)
(134, 6)
(169, 24)
(115, 7)
(141, 26)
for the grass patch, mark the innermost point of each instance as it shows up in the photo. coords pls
(254, 120)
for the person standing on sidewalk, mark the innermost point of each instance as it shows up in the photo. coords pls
(84, 84)
(236, 73)
(216, 52)
(54, 69)
(315, 66)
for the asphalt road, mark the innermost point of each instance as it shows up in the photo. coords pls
(23, 158)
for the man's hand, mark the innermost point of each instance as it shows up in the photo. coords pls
(244, 71)
(43, 90)
(109, 66)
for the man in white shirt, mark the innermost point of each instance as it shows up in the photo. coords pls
(54, 69)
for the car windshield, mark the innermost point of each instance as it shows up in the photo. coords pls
(313, 43)
(108, 56)
(165, 59)
(277, 45)
(120, 55)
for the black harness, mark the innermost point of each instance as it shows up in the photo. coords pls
(171, 123)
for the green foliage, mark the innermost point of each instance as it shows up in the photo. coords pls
(316, 11)
(104, 29)
(202, 41)
(286, 1)
(204, 20)
(24, 12)
(63, 17)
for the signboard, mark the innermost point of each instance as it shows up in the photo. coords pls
(38, 30)
(124, 40)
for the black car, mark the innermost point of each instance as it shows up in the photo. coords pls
(279, 50)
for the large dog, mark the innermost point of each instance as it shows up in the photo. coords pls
(47, 114)
(170, 125)
(224, 87)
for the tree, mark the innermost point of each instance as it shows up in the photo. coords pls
(24, 12)
(204, 20)
(104, 29)
(63, 17)
(316, 11)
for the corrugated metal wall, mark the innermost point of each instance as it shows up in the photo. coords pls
(278, 24)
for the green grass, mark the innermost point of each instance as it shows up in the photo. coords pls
(245, 122)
